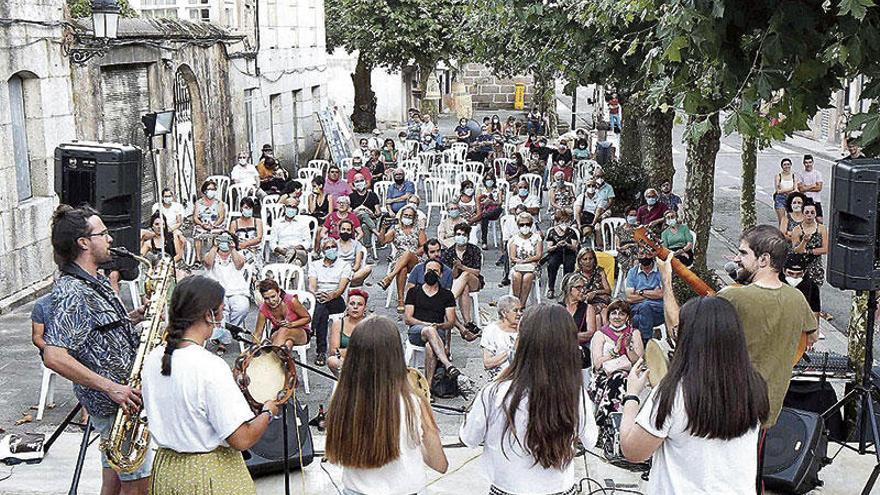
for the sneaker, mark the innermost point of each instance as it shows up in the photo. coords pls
(465, 384)
(550, 294)
(485, 246)
(321, 359)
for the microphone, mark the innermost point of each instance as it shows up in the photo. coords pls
(122, 252)
(731, 268)
(236, 330)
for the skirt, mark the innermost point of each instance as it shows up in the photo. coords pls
(219, 472)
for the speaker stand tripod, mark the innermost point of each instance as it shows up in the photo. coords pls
(863, 394)
(83, 447)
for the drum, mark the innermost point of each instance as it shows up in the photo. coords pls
(265, 372)
(657, 355)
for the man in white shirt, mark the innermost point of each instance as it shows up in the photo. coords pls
(225, 264)
(244, 173)
(525, 197)
(328, 281)
(291, 239)
(810, 184)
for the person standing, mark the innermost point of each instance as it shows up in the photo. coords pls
(197, 414)
(810, 239)
(614, 120)
(810, 183)
(90, 339)
(785, 183)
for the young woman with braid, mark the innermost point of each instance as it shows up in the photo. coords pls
(197, 414)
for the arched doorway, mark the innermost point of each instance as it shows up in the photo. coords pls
(188, 127)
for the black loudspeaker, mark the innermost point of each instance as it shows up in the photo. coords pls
(794, 452)
(854, 249)
(817, 397)
(267, 455)
(108, 177)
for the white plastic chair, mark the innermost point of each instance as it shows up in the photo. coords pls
(236, 193)
(309, 173)
(448, 171)
(285, 274)
(474, 167)
(381, 189)
(412, 148)
(47, 391)
(307, 299)
(413, 355)
(474, 177)
(271, 213)
(500, 164)
(450, 156)
(607, 227)
(535, 182)
(320, 165)
(459, 152)
(435, 194)
(345, 164)
(411, 169)
(509, 149)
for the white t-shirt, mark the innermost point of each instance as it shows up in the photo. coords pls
(497, 341)
(329, 276)
(288, 233)
(530, 202)
(231, 278)
(173, 214)
(245, 174)
(812, 178)
(688, 464)
(402, 476)
(198, 406)
(514, 470)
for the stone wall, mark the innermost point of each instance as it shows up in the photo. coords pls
(490, 92)
(31, 52)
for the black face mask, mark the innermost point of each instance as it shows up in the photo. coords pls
(431, 277)
(646, 261)
(398, 180)
(345, 236)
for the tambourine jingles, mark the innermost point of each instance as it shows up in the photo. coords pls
(263, 373)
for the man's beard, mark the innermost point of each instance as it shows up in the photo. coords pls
(743, 276)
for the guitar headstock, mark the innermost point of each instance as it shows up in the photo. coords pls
(646, 238)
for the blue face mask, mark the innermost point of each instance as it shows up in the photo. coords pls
(523, 192)
(651, 201)
(489, 183)
(223, 246)
(632, 220)
(330, 253)
(454, 213)
(290, 212)
(247, 213)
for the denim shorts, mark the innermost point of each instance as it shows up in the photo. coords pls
(415, 335)
(779, 200)
(103, 424)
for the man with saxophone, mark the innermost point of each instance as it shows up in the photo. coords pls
(90, 339)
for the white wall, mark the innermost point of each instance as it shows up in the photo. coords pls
(388, 86)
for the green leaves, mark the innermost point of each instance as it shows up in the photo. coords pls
(673, 49)
(869, 126)
(855, 8)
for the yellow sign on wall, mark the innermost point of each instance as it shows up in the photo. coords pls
(519, 96)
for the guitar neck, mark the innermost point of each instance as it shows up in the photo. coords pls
(692, 279)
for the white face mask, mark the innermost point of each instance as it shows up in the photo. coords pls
(406, 220)
(793, 281)
(599, 180)
(461, 240)
(211, 194)
(166, 200)
(796, 208)
(525, 230)
(360, 185)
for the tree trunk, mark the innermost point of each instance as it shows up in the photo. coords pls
(363, 118)
(427, 106)
(700, 184)
(545, 100)
(748, 217)
(630, 133)
(856, 336)
(655, 138)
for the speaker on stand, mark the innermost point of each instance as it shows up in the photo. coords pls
(267, 455)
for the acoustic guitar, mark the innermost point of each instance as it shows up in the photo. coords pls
(646, 239)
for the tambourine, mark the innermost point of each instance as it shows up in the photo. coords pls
(263, 373)
(657, 356)
(419, 383)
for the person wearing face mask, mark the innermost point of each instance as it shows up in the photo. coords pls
(328, 280)
(151, 245)
(513, 170)
(562, 243)
(225, 264)
(499, 339)
(536, 164)
(644, 293)
(358, 167)
(408, 239)
(343, 328)
(365, 205)
(330, 228)
(562, 195)
(375, 164)
(198, 416)
(466, 261)
(585, 208)
(172, 211)
(287, 317)
(669, 198)
(624, 239)
(490, 199)
(244, 172)
(562, 160)
(462, 131)
(389, 152)
(428, 143)
(272, 175)
(446, 228)
(581, 149)
(291, 240)
(209, 217)
(525, 250)
(421, 217)
(427, 127)
(467, 202)
(652, 212)
(433, 249)
(604, 191)
(794, 216)
(794, 275)
(399, 192)
(249, 231)
(354, 253)
(677, 238)
(525, 197)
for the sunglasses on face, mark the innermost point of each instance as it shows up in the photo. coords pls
(525, 225)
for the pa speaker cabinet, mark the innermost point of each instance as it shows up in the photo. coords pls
(267, 455)
(107, 177)
(854, 251)
(794, 452)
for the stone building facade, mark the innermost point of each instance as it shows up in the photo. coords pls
(489, 91)
(36, 114)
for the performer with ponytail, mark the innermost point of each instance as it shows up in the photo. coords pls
(197, 414)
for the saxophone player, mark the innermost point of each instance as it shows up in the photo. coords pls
(90, 338)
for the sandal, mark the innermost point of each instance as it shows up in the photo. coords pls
(453, 372)
(385, 283)
(468, 336)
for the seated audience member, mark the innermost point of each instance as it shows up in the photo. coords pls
(562, 195)
(670, 199)
(677, 238)
(379, 429)
(644, 292)
(679, 418)
(342, 328)
(571, 296)
(581, 150)
(328, 281)
(335, 185)
(209, 217)
(174, 214)
(291, 239)
(515, 169)
(375, 141)
(525, 250)
(613, 350)
(367, 206)
(446, 227)
(509, 229)
(389, 154)
(587, 210)
(226, 264)
(562, 162)
(407, 239)
(293, 189)
(354, 253)
(363, 148)
(288, 318)
(604, 190)
(499, 338)
(532, 414)
(466, 261)
(652, 212)
(462, 131)
(320, 203)
(561, 251)
(376, 167)
(625, 241)
(330, 227)
(152, 245)
(481, 147)
(358, 168)
(491, 205)
(524, 196)
(244, 172)
(430, 315)
(399, 192)
(467, 202)
(597, 290)
(415, 201)
(249, 231)
(433, 251)
(272, 175)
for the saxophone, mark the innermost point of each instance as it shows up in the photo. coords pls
(126, 445)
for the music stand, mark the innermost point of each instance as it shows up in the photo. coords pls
(863, 393)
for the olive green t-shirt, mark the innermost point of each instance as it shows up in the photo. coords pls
(773, 321)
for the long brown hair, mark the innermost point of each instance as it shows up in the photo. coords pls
(724, 396)
(546, 368)
(363, 423)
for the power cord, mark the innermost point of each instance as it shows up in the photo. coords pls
(323, 460)
(11, 469)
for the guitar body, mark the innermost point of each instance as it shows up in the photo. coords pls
(643, 237)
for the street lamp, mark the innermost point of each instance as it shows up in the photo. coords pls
(105, 24)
